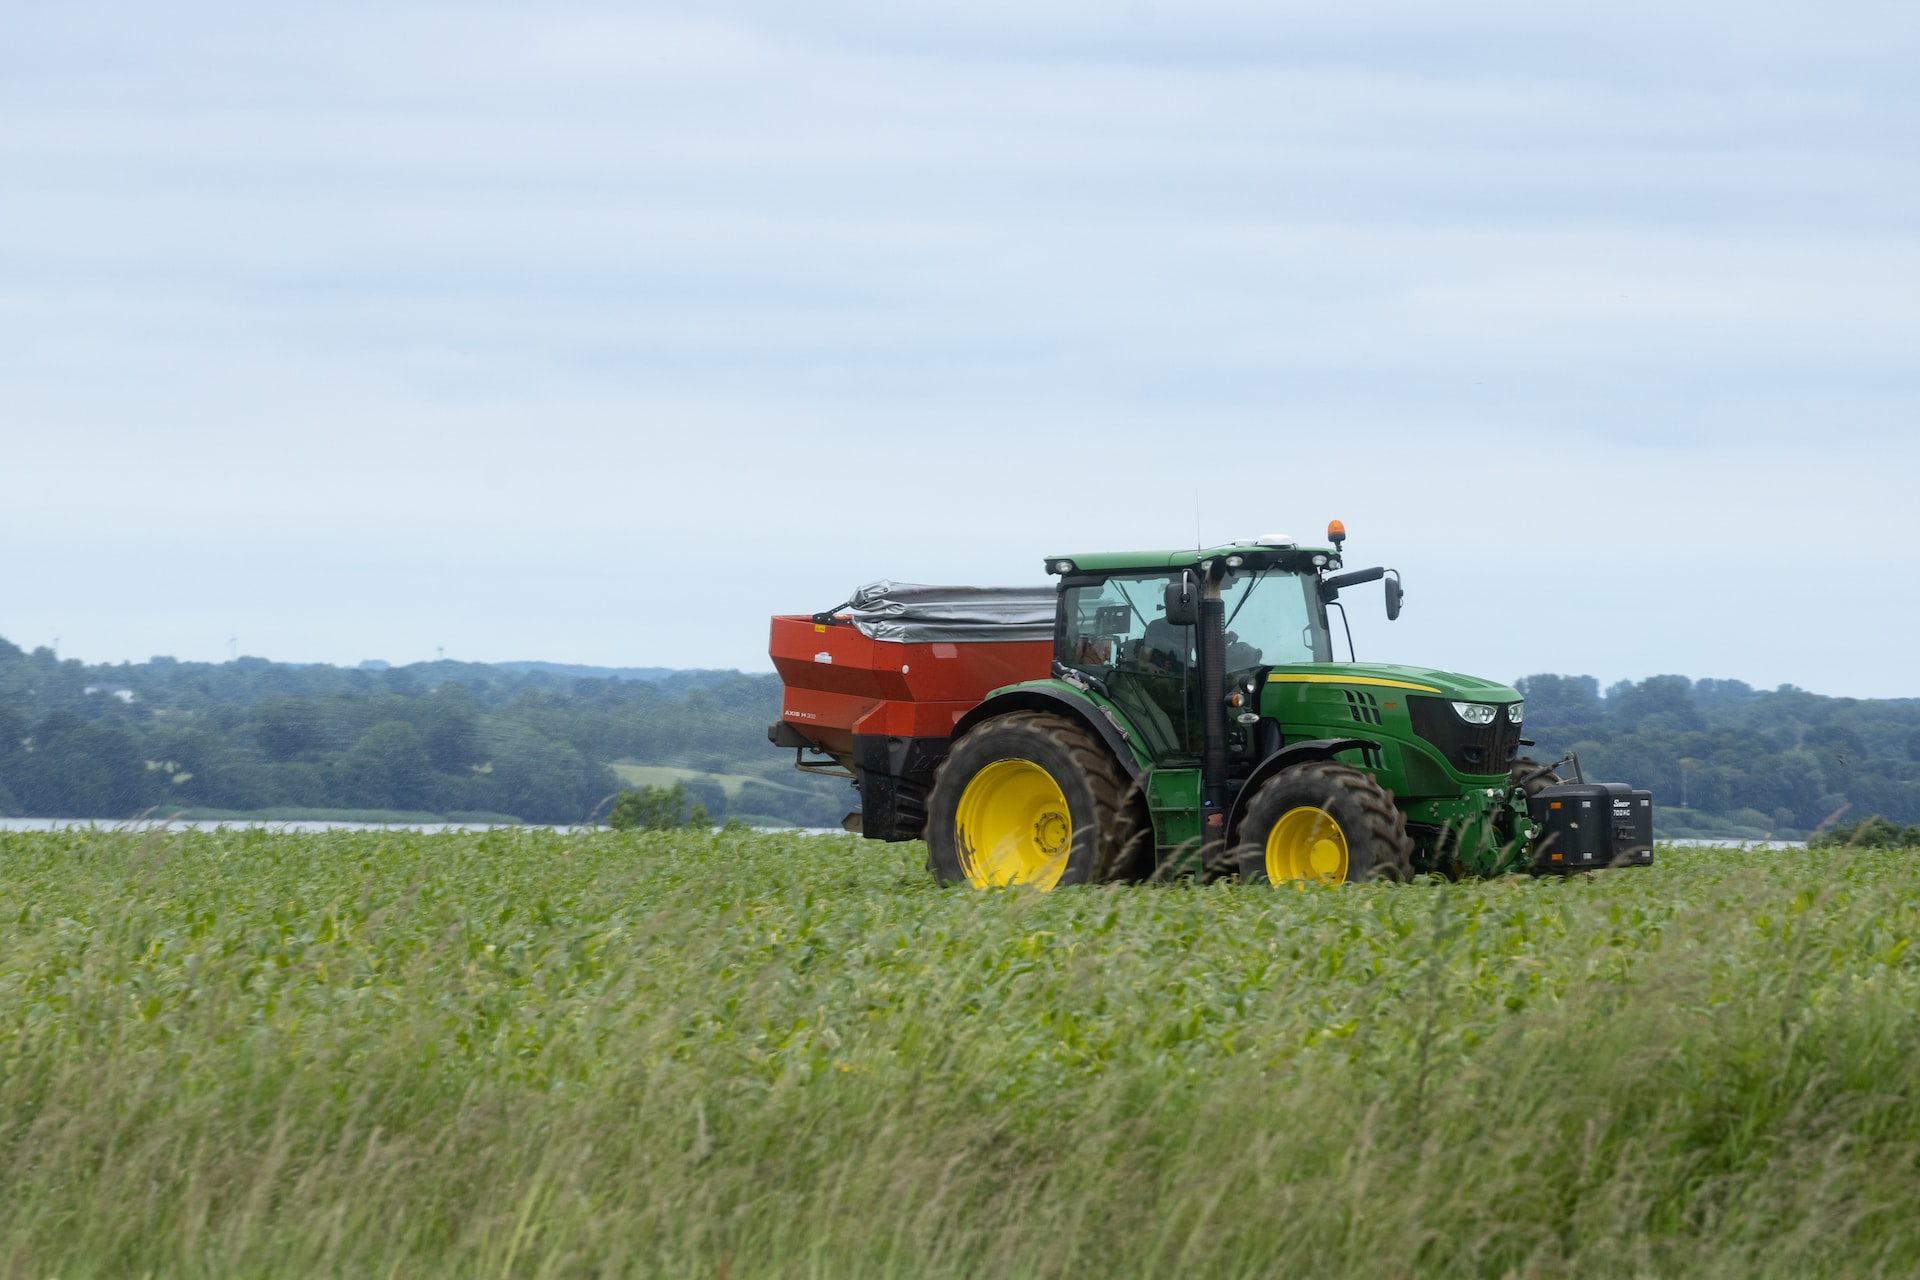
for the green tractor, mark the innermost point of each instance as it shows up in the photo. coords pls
(1178, 714)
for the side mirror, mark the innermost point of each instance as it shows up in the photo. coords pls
(1393, 595)
(1183, 601)
(1330, 587)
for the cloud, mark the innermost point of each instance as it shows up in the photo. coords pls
(1597, 320)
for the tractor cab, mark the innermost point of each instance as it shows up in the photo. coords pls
(1124, 630)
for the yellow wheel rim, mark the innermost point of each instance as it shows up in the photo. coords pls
(1013, 827)
(1306, 844)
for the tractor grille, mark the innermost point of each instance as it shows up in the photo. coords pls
(1470, 748)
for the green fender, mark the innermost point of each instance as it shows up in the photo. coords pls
(1285, 758)
(1061, 699)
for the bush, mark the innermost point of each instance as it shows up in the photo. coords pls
(1869, 833)
(657, 809)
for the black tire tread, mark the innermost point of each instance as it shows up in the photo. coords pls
(1106, 782)
(1386, 823)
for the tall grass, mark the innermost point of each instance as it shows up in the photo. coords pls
(526, 1054)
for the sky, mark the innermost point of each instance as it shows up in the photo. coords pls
(598, 334)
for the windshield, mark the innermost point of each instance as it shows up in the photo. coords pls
(1274, 617)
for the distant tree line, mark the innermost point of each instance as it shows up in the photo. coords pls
(455, 740)
(1724, 758)
(527, 741)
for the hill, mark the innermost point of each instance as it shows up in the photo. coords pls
(547, 742)
(435, 739)
(1725, 759)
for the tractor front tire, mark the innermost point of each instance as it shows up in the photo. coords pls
(1026, 798)
(1323, 822)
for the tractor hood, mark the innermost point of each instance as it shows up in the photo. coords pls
(1447, 684)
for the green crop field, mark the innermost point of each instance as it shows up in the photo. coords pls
(660, 775)
(519, 1053)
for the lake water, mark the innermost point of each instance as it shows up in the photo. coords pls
(1708, 843)
(70, 824)
(150, 824)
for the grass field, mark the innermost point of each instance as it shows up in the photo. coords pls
(525, 1054)
(778, 777)
(665, 775)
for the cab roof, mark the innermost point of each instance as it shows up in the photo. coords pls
(1255, 553)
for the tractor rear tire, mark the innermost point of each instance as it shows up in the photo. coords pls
(1027, 798)
(1324, 822)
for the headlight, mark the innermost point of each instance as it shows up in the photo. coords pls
(1513, 712)
(1476, 712)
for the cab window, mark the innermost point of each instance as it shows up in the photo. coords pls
(1115, 633)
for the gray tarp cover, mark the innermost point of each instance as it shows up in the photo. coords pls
(910, 613)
